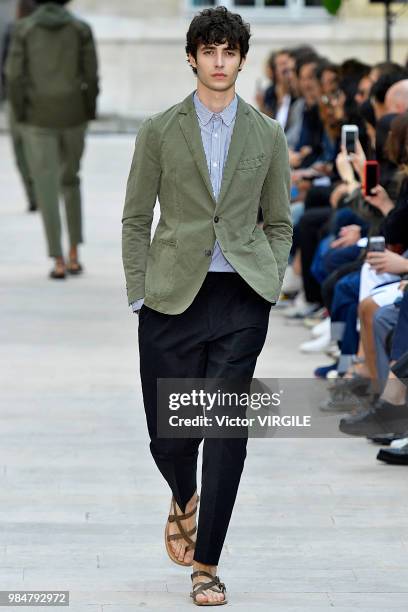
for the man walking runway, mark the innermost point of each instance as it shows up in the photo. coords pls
(52, 81)
(205, 285)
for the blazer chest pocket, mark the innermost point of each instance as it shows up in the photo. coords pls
(251, 163)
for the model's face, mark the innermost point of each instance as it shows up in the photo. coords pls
(217, 66)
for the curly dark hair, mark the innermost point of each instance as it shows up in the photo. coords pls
(216, 27)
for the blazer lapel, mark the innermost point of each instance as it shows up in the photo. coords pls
(191, 130)
(236, 147)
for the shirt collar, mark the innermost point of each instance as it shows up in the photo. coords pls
(205, 115)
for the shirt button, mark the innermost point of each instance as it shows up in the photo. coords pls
(208, 252)
(216, 219)
(215, 135)
(215, 164)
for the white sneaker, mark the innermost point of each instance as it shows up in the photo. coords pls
(301, 308)
(321, 328)
(317, 345)
(292, 283)
(399, 443)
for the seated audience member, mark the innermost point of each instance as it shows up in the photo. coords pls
(380, 89)
(277, 100)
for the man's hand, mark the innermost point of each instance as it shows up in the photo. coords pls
(387, 261)
(348, 235)
(380, 199)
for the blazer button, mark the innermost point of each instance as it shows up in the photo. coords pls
(208, 252)
(216, 219)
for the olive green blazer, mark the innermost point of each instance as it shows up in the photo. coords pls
(169, 163)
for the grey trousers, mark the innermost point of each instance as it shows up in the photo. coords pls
(54, 158)
(385, 319)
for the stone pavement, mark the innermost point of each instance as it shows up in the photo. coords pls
(318, 524)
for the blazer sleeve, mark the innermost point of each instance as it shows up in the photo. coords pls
(15, 77)
(275, 203)
(141, 193)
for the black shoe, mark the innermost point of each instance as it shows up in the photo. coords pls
(394, 456)
(386, 439)
(381, 417)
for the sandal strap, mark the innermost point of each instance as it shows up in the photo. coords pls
(174, 517)
(177, 536)
(199, 587)
(185, 535)
(201, 573)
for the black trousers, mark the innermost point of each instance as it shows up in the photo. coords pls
(220, 335)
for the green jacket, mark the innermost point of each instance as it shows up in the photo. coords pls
(169, 162)
(51, 69)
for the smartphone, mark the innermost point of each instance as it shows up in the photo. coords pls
(371, 176)
(376, 243)
(349, 137)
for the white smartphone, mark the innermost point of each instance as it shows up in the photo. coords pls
(349, 137)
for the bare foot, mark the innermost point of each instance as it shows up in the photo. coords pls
(74, 266)
(208, 595)
(179, 546)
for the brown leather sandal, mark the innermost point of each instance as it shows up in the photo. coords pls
(213, 585)
(74, 267)
(183, 534)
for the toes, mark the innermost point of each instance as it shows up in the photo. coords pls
(208, 596)
(181, 553)
(188, 557)
(202, 598)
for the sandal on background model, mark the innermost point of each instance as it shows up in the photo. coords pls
(212, 585)
(183, 534)
(57, 275)
(74, 267)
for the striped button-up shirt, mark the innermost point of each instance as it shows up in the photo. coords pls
(216, 131)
